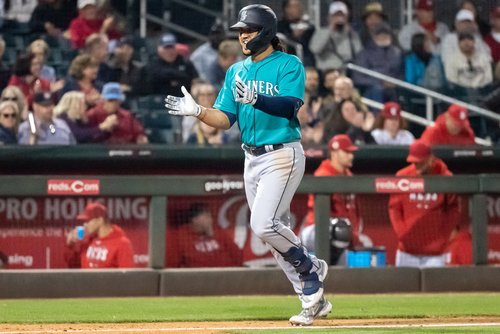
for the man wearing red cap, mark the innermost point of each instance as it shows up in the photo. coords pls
(341, 150)
(426, 23)
(390, 127)
(423, 222)
(492, 39)
(450, 128)
(104, 245)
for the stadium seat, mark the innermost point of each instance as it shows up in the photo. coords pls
(9, 57)
(14, 42)
(151, 102)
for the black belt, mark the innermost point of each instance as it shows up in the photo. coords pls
(259, 150)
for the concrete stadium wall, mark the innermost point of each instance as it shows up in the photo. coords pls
(237, 281)
(78, 283)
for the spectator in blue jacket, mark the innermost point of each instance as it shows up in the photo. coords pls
(422, 67)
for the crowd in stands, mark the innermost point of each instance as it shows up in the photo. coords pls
(62, 47)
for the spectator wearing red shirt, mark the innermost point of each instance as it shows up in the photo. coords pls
(198, 243)
(493, 37)
(341, 151)
(27, 77)
(450, 128)
(423, 222)
(128, 130)
(104, 245)
(89, 21)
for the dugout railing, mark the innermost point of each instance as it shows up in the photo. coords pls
(160, 188)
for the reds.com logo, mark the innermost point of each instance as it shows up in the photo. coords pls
(73, 187)
(398, 185)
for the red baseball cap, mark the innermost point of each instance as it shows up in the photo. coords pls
(419, 151)
(425, 4)
(459, 114)
(342, 142)
(391, 110)
(93, 210)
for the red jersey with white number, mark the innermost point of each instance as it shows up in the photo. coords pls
(341, 205)
(186, 248)
(112, 251)
(423, 222)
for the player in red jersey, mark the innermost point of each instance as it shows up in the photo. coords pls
(342, 206)
(423, 222)
(450, 128)
(197, 242)
(104, 245)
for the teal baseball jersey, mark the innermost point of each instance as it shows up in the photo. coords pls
(279, 74)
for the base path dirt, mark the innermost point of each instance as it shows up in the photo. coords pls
(225, 327)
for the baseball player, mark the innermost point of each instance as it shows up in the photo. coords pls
(263, 93)
(105, 245)
(341, 150)
(423, 222)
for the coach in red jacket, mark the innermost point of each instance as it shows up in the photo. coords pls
(198, 242)
(341, 151)
(104, 245)
(423, 222)
(450, 128)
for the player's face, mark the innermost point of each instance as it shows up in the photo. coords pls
(423, 167)
(92, 225)
(246, 35)
(43, 112)
(345, 158)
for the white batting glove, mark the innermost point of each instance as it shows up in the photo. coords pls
(244, 94)
(182, 106)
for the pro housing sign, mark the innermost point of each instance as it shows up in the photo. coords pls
(73, 187)
(399, 185)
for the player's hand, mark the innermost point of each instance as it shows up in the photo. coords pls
(182, 106)
(244, 94)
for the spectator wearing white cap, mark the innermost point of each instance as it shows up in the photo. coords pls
(425, 22)
(470, 67)
(337, 44)
(464, 22)
(90, 21)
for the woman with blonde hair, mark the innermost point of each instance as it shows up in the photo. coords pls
(9, 122)
(40, 49)
(14, 94)
(71, 108)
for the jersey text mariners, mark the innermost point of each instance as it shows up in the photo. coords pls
(279, 74)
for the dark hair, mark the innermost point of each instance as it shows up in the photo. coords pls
(277, 45)
(284, 4)
(185, 216)
(417, 42)
(418, 47)
(22, 66)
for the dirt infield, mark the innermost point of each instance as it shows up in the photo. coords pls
(221, 327)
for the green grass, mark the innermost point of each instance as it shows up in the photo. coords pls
(102, 310)
(427, 330)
